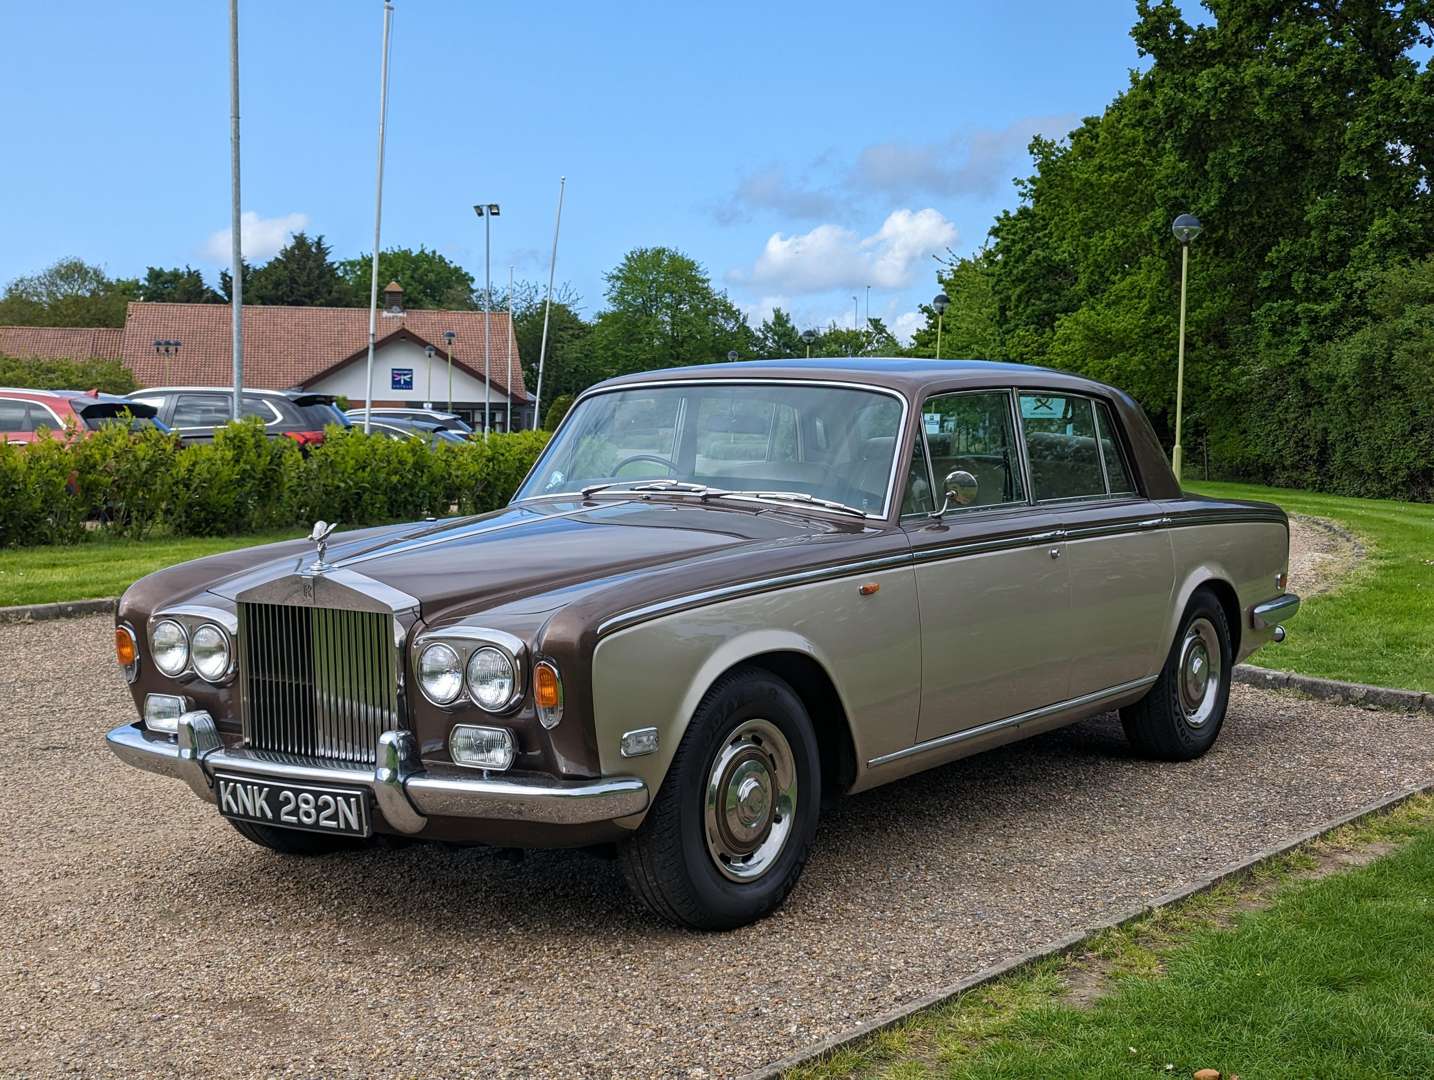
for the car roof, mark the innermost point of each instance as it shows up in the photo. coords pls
(288, 394)
(912, 375)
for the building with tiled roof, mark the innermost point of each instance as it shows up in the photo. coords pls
(321, 349)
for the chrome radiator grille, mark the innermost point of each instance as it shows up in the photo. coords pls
(317, 682)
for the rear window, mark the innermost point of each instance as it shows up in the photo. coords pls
(321, 415)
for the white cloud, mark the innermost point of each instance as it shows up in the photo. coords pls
(834, 257)
(906, 324)
(261, 238)
(772, 189)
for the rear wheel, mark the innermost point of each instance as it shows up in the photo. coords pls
(294, 841)
(1181, 716)
(731, 828)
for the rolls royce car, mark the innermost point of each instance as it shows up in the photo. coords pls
(723, 596)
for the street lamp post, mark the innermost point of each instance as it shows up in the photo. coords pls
(428, 351)
(1185, 227)
(809, 336)
(508, 382)
(487, 211)
(167, 348)
(448, 336)
(731, 356)
(940, 302)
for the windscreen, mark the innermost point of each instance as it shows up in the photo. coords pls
(829, 442)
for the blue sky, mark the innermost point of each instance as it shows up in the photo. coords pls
(799, 151)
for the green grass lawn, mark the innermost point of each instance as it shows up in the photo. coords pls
(1377, 627)
(107, 567)
(1334, 978)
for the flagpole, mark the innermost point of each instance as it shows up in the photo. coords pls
(548, 309)
(236, 249)
(508, 426)
(377, 214)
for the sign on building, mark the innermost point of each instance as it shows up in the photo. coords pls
(402, 378)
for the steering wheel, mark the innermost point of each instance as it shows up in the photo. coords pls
(656, 459)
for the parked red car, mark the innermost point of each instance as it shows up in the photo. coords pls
(24, 413)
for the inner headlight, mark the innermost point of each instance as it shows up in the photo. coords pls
(209, 650)
(440, 674)
(170, 645)
(491, 678)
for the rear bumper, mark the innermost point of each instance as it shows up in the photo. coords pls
(405, 792)
(1271, 613)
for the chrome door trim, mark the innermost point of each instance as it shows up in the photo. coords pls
(966, 734)
(1232, 516)
(896, 460)
(746, 588)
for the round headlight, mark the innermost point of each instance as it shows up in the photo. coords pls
(170, 645)
(440, 674)
(491, 678)
(209, 649)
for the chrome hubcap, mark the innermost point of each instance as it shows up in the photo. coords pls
(750, 801)
(1199, 672)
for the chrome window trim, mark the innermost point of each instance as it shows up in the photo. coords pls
(1090, 399)
(1103, 409)
(842, 384)
(967, 734)
(1013, 414)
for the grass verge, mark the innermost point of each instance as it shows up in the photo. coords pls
(1302, 967)
(1373, 628)
(106, 567)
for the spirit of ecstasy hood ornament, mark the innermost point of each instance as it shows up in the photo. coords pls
(320, 537)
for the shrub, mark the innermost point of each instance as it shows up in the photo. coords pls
(356, 479)
(484, 473)
(111, 376)
(126, 477)
(557, 410)
(238, 483)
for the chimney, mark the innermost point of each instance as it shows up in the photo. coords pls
(393, 298)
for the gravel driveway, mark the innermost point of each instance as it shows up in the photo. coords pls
(142, 936)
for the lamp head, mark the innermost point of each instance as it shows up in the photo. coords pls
(941, 302)
(1186, 227)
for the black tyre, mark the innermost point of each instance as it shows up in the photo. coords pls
(294, 841)
(730, 830)
(1180, 718)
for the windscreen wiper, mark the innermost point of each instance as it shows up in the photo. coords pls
(798, 497)
(679, 487)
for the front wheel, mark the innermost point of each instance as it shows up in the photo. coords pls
(732, 825)
(1179, 719)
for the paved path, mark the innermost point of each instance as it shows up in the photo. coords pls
(141, 935)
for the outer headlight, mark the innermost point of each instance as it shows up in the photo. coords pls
(170, 646)
(440, 673)
(209, 651)
(492, 678)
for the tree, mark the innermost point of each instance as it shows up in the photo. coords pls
(70, 292)
(969, 330)
(301, 275)
(662, 312)
(176, 286)
(779, 337)
(570, 366)
(226, 282)
(429, 280)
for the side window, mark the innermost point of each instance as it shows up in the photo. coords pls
(1061, 446)
(199, 410)
(253, 406)
(917, 499)
(1115, 470)
(972, 432)
(15, 416)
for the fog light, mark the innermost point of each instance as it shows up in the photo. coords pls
(162, 712)
(481, 747)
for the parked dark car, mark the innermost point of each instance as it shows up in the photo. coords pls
(436, 417)
(196, 411)
(395, 428)
(25, 413)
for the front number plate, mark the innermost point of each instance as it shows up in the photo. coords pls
(294, 806)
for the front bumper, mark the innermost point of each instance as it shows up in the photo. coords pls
(406, 793)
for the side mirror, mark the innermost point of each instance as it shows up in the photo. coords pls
(961, 490)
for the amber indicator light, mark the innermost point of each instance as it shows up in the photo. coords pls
(869, 589)
(124, 648)
(545, 687)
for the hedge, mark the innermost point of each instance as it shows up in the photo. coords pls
(126, 483)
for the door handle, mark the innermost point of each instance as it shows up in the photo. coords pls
(1152, 523)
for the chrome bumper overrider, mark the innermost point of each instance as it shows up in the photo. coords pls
(406, 793)
(1273, 612)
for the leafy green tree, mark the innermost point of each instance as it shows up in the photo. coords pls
(301, 275)
(70, 292)
(779, 337)
(569, 367)
(969, 330)
(45, 373)
(176, 286)
(226, 282)
(429, 280)
(663, 312)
